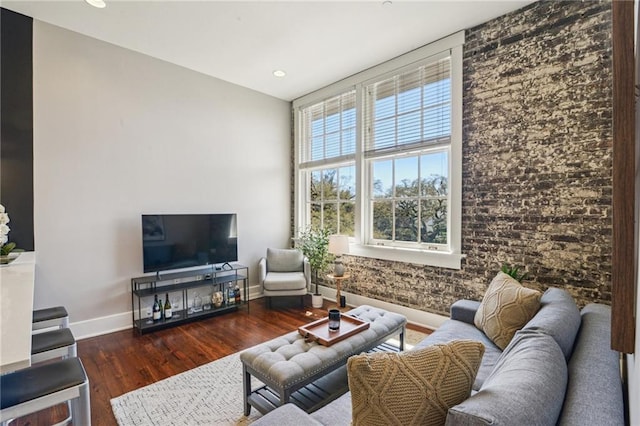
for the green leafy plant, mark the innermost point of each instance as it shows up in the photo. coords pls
(7, 248)
(314, 244)
(513, 272)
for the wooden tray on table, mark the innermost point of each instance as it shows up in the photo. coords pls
(318, 331)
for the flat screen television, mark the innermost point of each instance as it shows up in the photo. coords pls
(175, 241)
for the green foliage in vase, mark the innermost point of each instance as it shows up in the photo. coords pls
(314, 243)
(7, 248)
(514, 272)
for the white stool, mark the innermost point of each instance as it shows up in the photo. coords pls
(33, 389)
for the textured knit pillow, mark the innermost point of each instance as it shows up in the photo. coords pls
(414, 387)
(506, 307)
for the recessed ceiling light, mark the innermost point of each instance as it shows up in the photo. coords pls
(100, 4)
(387, 3)
(279, 73)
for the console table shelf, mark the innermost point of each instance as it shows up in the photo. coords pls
(183, 287)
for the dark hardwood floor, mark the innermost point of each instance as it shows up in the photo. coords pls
(120, 362)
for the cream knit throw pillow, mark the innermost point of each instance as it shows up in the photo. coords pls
(506, 307)
(412, 388)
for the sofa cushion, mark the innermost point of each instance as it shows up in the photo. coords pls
(284, 260)
(558, 317)
(526, 387)
(337, 413)
(505, 308)
(595, 387)
(452, 330)
(286, 415)
(415, 387)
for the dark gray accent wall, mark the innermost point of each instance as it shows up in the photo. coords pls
(537, 162)
(16, 125)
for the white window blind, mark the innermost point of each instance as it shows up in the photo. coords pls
(329, 130)
(408, 110)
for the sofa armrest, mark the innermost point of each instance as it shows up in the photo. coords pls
(595, 391)
(287, 415)
(464, 310)
(262, 270)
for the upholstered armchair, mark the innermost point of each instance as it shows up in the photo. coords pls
(284, 272)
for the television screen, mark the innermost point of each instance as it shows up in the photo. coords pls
(173, 241)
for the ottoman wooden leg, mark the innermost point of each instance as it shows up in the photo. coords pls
(285, 394)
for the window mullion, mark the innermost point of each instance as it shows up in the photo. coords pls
(362, 231)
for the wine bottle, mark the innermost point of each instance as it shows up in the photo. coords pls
(236, 292)
(167, 308)
(156, 309)
(231, 298)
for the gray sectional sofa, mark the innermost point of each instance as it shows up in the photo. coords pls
(558, 369)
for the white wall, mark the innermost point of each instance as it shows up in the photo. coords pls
(118, 134)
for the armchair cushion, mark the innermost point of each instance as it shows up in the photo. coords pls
(285, 281)
(284, 260)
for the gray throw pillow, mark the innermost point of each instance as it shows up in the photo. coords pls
(284, 260)
(558, 317)
(526, 387)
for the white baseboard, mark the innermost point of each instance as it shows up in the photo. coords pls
(122, 321)
(414, 316)
(102, 325)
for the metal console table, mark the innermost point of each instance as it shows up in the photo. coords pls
(185, 286)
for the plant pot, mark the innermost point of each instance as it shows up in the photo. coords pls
(316, 300)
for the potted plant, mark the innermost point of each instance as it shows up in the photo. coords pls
(314, 244)
(514, 272)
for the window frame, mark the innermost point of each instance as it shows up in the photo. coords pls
(368, 225)
(361, 244)
(342, 163)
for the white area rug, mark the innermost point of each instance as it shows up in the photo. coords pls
(207, 395)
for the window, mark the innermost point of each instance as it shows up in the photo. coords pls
(379, 157)
(406, 116)
(332, 199)
(409, 199)
(329, 132)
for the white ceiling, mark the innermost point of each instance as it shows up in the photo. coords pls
(315, 42)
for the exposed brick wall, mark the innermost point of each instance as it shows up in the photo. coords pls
(536, 162)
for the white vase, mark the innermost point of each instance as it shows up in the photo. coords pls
(316, 300)
(7, 259)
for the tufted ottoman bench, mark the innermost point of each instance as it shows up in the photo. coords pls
(289, 363)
